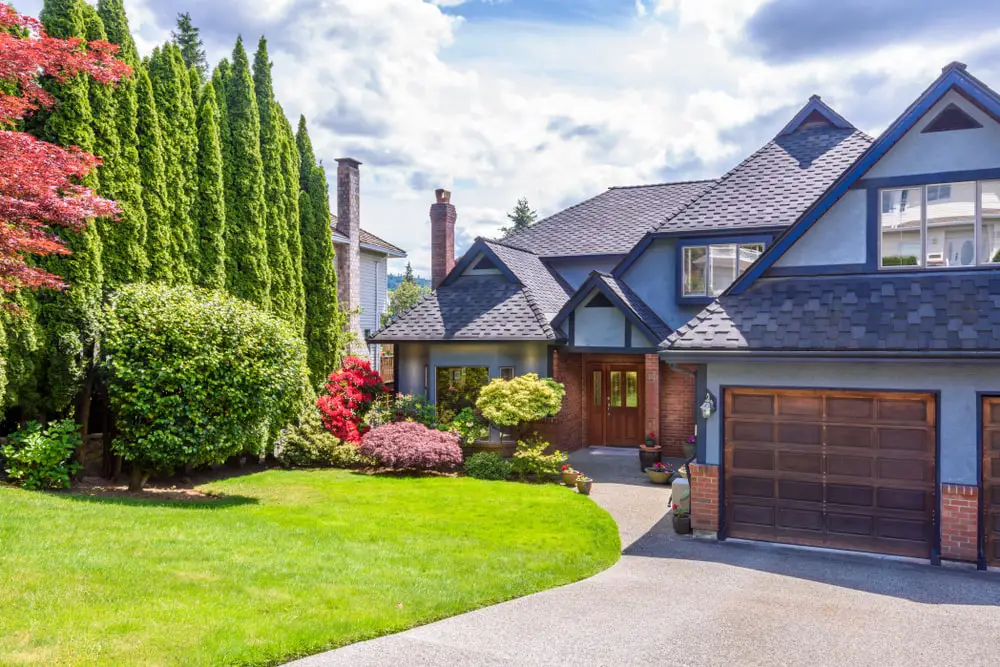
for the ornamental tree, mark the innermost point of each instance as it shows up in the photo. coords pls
(347, 397)
(521, 401)
(40, 183)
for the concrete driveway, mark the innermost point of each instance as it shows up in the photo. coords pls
(681, 601)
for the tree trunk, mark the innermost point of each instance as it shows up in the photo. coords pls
(138, 479)
(83, 403)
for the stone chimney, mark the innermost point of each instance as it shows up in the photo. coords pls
(443, 217)
(349, 255)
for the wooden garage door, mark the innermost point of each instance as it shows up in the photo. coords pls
(991, 478)
(849, 470)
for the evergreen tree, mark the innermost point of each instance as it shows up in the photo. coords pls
(290, 167)
(408, 275)
(521, 217)
(171, 90)
(247, 273)
(220, 83)
(275, 190)
(154, 182)
(188, 38)
(307, 158)
(196, 83)
(124, 252)
(405, 296)
(211, 203)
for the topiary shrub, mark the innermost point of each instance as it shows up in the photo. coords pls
(309, 445)
(521, 400)
(488, 465)
(348, 396)
(41, 458)
(412, 446)
(196, 376)
(530, 460)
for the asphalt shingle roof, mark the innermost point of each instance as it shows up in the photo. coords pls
(902, 313)
(548, 292)
(471, 308)
(610, 223)
(774, 186)
(638, 306)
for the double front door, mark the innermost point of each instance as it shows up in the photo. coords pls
(614, 405)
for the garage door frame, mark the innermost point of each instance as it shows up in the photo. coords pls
(935, 555)
(982, 560)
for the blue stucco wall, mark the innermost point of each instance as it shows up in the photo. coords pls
(653, 277)
(576, 271)
(839, 237)
(958, 429)
(599, 327)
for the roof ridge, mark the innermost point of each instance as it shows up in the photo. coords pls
(502, 244)
(656, 185)
(539, 315)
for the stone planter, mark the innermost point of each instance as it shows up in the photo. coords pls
(658, 477)
(584, 487)
(682, 525)
(648, 456)
(569, 478)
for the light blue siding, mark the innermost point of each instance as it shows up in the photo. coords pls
(958, 383)
(653, 277)
(839, 237)
(575, 271)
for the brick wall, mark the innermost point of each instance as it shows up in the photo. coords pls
(652, 368)
(959, 522)
(676, 406)
(704, 497)
(566, 430)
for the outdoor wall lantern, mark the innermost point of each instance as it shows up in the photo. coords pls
(708, 406)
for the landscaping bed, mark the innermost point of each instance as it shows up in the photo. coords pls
(276, 565)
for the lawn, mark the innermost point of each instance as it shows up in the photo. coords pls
(286, 564)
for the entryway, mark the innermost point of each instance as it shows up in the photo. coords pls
(615, 394)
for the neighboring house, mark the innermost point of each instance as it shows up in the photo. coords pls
(856, 365)
(588, 295)
(362, 262)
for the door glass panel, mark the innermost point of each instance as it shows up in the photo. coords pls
(631, 389)
(598, 376)
(616, 389)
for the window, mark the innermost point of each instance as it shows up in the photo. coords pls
(458, 388)
(631, 389)
(506, 372)
(940, 225)
(708, 270)
(615, 379)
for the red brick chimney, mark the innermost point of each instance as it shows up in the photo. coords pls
(443, 217)
(349, 255)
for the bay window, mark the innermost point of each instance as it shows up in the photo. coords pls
(940, 226)
(707, 270)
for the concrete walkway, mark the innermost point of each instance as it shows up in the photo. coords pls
(679, 601)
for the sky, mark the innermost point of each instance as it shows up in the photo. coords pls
(557, 100)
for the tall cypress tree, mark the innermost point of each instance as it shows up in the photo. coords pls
(220, 82)
(307, 158)
(124, 240)
(171, 90)
(154, 182)
(247, 272)
(278, 258)
(325, 323)
(196, 83)
(210, 208)
(290, 167)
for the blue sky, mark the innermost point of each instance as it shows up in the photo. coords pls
(556, 100)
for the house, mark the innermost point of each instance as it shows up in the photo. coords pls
(362, 262)
(588, 295)
(855, 366)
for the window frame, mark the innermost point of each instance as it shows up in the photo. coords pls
(706, 242)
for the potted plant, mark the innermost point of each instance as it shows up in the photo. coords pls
(690, 447)
(570, 475)
(682, 521)
(660, 473)
(584, 484)
(650, 452)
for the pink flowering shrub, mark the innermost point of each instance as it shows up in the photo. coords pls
(412, 446)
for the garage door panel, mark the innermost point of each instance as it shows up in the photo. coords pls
(755, 515)
(850, 495)
(904, 499)
(903, 529)
(991, 443)
(902, 439)
(750, 404)
(850, 524)
(751, 487)
(746, 458)
(801, 519)
(904, 470)
(798, 462)
(850, 409)
(849, 466)
(800, 406)
(839, 435)
(791, 433)
(802, 491)
(902, 411)
(747, 431)
(991, 479)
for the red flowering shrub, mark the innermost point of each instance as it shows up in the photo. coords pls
(347, 397)
(412, 446)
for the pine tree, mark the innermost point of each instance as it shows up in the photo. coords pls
(188, 38)
(290, 167)
(154, 182)
(275, 190)
(521, 217)
(124, 240)
(211, 203)
(171, 90)
(247, 273)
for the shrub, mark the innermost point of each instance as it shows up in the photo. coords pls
(347, 398)
(522, 400)
(470, 427)
(411, 446)
(309, 445)
(416, 408)
(530, 460)
(488, 465)
(196, 376)
(40, 458)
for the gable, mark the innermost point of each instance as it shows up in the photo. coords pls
(482, 265)
(952, 119)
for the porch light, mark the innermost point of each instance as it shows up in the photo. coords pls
(708, 406)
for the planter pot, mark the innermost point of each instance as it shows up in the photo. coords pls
(569, 478)
(658, 477)
(689, 450)
(682, 525)
(584, 487)
(648, 456)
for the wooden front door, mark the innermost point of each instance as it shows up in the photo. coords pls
(615, 404)
(991, 479)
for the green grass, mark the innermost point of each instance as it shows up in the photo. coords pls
(286, 565)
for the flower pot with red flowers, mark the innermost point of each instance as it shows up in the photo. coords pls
(650, 452)
(690, 447)
(584, 484)
(660, 473)
(682, 521)
(570, 475)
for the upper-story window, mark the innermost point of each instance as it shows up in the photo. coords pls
(707, 270)
(941, 225)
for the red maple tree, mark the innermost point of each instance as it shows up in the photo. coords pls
(40, 182)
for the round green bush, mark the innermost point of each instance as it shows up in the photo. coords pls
(195, 376)
(309, 445)
(488, 465)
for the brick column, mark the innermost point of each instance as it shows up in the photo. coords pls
(652, 363)
(704, 496)
(959, 522)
